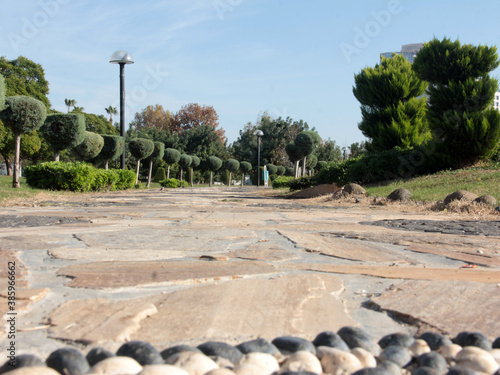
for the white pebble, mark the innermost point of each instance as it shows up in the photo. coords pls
(266, 362)
(116, 366)
(194, 363)
(32, 370)
(365, 357)
(449, 351)
(221, 371)
(495, 353)
(248, 369)
(302, 361)
(477, 359)
(162, 370)
(337, 362)
(419, 347)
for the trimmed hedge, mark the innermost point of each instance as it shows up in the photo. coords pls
(282, 182)
(301, 183)
(173, 183)
(80, 177)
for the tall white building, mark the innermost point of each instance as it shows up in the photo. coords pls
(408, 51)
(496, 101)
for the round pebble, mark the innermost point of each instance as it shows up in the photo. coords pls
(221, 371)
(302, 361)
(266, 362)
(435, 340)
(162, 370)
(402, 339)
(117, 365)
(424, 370)
(257, 345)
(472, 339)
(177, 349)
(477, 359)
(23, 360)
(433, 360)
(496, 343)
(450, 351)
(143, 352)
(495, 353)
(193, 363)
(365, 357)
(397, 354)
(458, 370)
(68, 361)
(391, 367)
(419, 347)
(336, 361)
(372, 371)
(330, 339)
(298, 373)
(33, 370)
(221, 349)
(358, 338)
(96, 355)
(290, 344)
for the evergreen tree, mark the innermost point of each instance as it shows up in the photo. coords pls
(140, 148)
(392, 115)
(464, 126)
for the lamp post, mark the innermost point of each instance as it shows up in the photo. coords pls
(259, 134)
(344, 149)
(122, 57)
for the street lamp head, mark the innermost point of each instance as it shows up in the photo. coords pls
(259, 133)
(121, 57)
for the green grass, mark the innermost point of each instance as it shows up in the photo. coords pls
(24, 192)
(437, 186)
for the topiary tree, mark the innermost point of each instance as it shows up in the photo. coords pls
(464, 126)
(306, 142)
(321, 164)
(160, 175)
(184, 162)
(213, 164)
(140, 148)
(111, 150)
(281, 170)
(295, 155)
(232, 165)
(272, 169)
(157, 154)
(245, 167)
(195, 162)
(64, 131)
(171, 157)
(312, 161)
(392, 115)
(90, 147)
(22, 114)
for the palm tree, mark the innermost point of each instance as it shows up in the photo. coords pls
(111, 111)
(78, 109)
(70, 103)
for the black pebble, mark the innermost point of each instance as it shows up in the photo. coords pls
(298, 373)
(393, 368)
(259, 346)
(177, 349)
(96, 355)
(397, 354)
(330, 339)
(68, 361)
(433, 360)
(290, 344)
(358, 338)
(143, 352)
(402, 339)
(425, 371)
(473, 339)
(435, 340)
(459, 370)
(496, 343)
(372, 371)
(221, 349)
(23, 360)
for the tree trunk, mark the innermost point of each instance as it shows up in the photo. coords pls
(56, 156)
(211, 174)
(181, 174)
(137, 172)
(296, 168)
(168, 172)
(106, 165)
(191, 177)
(229, 182)
(149, 174)
(304, 166)
(7, 164)
(17, 170)
(242, 179)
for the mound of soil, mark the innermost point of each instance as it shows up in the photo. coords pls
(316, 191)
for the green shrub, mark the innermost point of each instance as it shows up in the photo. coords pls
(80, 177)
(301, 183)
(282, 182)
(173, 183)
(161, 174)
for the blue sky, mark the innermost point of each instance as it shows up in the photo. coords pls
(243, 57)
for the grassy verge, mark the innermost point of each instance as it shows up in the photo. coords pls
(437, 186)
(24, 192)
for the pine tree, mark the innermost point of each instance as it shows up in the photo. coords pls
(392, 115)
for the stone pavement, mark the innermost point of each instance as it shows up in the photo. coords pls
(232, 264)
